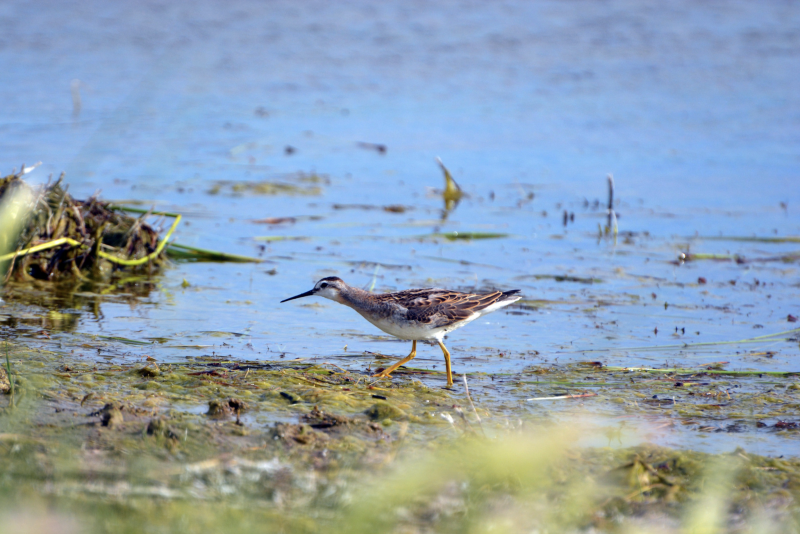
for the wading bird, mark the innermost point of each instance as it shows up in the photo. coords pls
(413, 314)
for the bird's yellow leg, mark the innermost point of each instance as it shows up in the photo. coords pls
(386, 372)
(447, 363)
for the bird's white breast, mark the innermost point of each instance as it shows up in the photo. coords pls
(412, 330)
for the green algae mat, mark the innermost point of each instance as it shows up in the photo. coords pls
(240, 446)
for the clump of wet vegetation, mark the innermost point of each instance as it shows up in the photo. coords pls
(291, 446)
(65, 239)
(57, 251)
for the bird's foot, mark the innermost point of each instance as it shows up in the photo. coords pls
(382, 374)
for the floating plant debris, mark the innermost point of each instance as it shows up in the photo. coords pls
(65, 238)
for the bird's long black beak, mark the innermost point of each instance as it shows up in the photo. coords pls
(306, 294)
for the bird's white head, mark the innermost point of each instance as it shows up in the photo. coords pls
(330, 287)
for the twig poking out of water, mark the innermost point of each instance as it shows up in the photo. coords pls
(612, 216)
(564, 397)
(469, 398)
(452, 192)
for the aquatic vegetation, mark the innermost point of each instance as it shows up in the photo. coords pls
(452, 193)
(64, 238)
(188, 253)
(466, 236)
(291, 184)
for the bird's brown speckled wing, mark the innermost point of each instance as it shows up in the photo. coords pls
(440, 307)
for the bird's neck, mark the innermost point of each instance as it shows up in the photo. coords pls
(354, 297)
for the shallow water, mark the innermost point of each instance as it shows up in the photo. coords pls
(695, 110)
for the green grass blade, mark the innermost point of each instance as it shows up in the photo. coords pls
(186, 252)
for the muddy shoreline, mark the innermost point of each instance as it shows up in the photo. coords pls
(259, 440)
